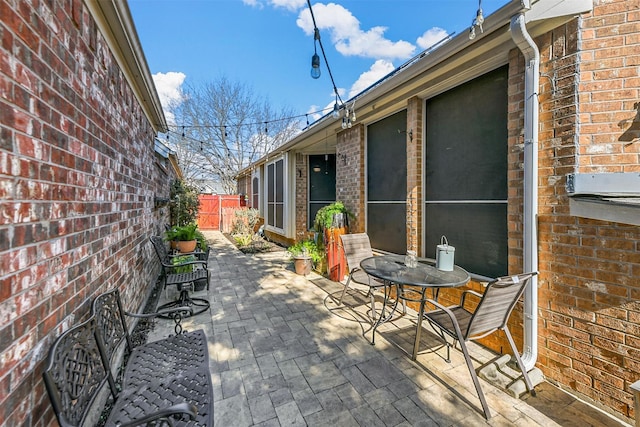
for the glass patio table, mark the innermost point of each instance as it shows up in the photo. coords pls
(411, 284)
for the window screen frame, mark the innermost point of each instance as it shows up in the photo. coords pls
(392, 237)
(496, 250)
(275, 194)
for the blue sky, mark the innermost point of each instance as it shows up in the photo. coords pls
(268, 44)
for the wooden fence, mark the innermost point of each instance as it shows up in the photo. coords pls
(216, 211)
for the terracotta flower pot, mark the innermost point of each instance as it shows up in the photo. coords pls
(186, 245)
(302, 265)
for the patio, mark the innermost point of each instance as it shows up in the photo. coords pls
(282, 353)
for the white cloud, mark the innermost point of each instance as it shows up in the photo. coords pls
(349, 38)
(287, 4)
(378, 70)
(431, 37)
(169, 88)
(253, 3)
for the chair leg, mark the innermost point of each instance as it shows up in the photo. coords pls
(344, 291)
(373, 304)
(476, 381)
(525, 375)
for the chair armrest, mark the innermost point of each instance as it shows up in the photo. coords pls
(179, 409)
(454, 319)
(463, 297)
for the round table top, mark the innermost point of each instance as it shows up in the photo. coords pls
(392, 269)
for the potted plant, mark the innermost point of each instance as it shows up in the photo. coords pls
(331, 221)
(334, 215)
(182, 259)
(184, 203)
(305, 254)
(184, 236)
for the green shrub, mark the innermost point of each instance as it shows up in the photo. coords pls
(306, 247)
(181, 259)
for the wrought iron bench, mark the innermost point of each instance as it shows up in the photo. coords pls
(184, 280)
(163, 382)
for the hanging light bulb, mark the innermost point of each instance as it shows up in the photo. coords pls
(472, 32)
(353, 116)
(349, 124)
(344, 122)
(479, 17)
(315, 66)
(336, 110)
(315, 59)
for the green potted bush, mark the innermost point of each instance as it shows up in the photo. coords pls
(305, 254)
(334, 215)
(184, 237)
(182, 259)
(330, 222)
(184, 203)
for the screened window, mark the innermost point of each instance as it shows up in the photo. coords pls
(255, 192)
(466, 173)
(387, 183)
(275, 194)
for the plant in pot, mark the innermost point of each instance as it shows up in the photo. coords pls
(184, 203)
(334, 215)
(184, 236)
(331, 221)
(305, 254)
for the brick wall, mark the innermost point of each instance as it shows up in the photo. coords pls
(350, 172)
(588, 288)
(414, 174)
(302, 175)
(78, 177)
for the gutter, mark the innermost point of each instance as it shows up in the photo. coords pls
(530, 236)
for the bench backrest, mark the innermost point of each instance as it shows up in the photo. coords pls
(161, 250)
(75, 373)
(111, 326)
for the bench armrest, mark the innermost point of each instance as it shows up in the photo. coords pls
(179, 409)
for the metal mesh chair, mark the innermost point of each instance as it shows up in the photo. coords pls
(491, 314)
(183, 280)
(356, 248)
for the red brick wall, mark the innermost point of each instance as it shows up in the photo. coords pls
(78, 178)
(302, 175)
(350, 170)
(414, 174)
(588, 287)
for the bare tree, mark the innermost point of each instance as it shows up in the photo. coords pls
(223, 127)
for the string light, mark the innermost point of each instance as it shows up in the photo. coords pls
(477, 22)
(224, 127)
(315, 59)
(316, 39)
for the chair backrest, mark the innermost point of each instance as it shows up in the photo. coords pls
(356, 248)
(74, 374)
(160, 248)
(496, 305)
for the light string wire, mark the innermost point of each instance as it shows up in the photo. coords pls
(324, 55)
(262, 122)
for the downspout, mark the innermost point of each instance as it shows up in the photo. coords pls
(530, 245)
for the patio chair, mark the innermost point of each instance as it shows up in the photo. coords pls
(491, 314)
(356, 248)
(198, 276)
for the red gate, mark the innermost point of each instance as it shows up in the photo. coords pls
(211, 209)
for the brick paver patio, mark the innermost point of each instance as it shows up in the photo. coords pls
(283, 354)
